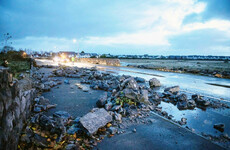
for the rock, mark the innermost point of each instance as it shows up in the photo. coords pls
(191, 104)
(196, 96)
(45, 122)
(98, 75)
(226, 136)
(43, 101)
(95, 120)
(144, 97)
(219, 126)
(63, 115)
(25, 84)
(183, 121)
(173, 89)
(182, 105)
(21, 76)
(73, 129)
(102, 101)
(85, 89)
(66, 81)
(154, 82)
(112, 130)
(202, 102)
(116, 107)
(40, 141)
(182, 97)
(130, 83)
(134, 130)
(164, 113)
(71, 147)
(141, 80)
(79, 85)
(76, 120)
(37, 109)
(114, 91)
(117, 117)
(129, 93)
(108, 106)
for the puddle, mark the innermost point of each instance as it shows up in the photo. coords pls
(198, 119)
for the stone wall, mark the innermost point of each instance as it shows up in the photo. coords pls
(101, 61)
(15, 106)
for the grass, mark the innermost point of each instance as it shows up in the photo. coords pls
(16, 62)
(186, 64)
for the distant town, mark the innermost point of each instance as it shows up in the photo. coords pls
(145, 56)
(83, 54)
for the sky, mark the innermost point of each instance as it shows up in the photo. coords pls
(155, 27)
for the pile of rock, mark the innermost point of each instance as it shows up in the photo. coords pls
(127, 100)
(44, 83)
(42, 104)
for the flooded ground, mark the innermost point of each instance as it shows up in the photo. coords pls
(200, 121)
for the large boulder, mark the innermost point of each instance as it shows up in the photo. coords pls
(173, 89)
(144, 97)
(154, 82)
(131, 94)
(95, 120)
(130, 83)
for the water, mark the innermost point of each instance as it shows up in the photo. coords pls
(200, 120)
(187, 82)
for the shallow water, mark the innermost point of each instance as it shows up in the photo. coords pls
(198, 119)
(188, 82)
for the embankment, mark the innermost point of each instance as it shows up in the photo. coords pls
(15, 108)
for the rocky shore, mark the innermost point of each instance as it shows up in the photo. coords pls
(205, 72)
(128, 100)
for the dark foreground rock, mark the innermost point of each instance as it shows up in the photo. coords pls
(15, 108)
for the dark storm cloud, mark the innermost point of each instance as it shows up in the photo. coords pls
(215, 9)
(59, 18)
(119, 26)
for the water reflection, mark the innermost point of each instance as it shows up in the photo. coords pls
(198, 119)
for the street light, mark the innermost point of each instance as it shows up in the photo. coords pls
(74, 41)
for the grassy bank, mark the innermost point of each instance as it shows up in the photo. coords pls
(16, 62)
(204, 67)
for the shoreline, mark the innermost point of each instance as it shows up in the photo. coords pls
(218, 69)
(194, 72)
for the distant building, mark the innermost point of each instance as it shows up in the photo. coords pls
(68, 54)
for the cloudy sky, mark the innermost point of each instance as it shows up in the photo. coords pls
(157, 27)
